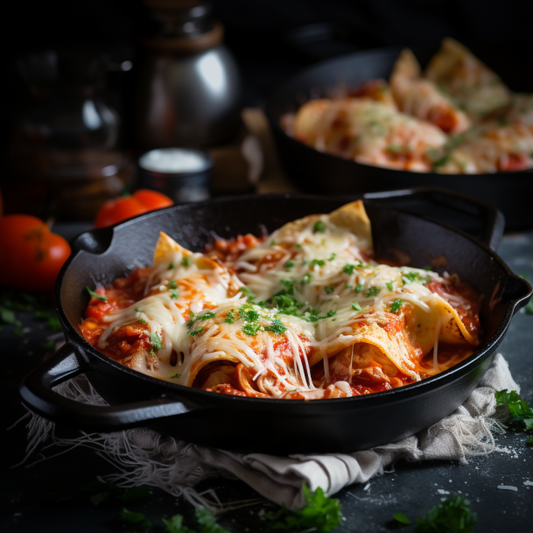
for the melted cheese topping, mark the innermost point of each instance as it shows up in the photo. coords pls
(304, 314)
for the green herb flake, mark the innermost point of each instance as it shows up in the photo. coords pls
(156, 341)
(321, 514)
(248, 313)
(348, 286)
(185, 261)
(248, 293)
(396, 305)
(174, 295)
(96, 295)
(170, 266)
(175, 376)
(329, 289)
(230, 317)
(409, 277)
(299, 246)
(373, 291)
(196, 331)
(348, 269)
(306, 279)
(317, 262)
(356, 306)
(276, 327)
(251, 329)
(390, 285)
(207, 316)
(289, 264)
(172, 284)
(359, 287)
(319, 227)
(332, 256)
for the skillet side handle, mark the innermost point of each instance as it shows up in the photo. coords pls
(37, 393)
(491, 219)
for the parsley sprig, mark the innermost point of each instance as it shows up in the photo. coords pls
(451, 516)
(520, 413)
(321, 514)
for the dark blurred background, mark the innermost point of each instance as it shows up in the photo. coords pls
(269, 39)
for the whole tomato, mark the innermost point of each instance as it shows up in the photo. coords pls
(31, 255)
(125, 207)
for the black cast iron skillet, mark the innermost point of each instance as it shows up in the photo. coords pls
(263, 425)
(319, 172)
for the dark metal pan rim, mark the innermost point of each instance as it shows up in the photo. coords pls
(404, 392)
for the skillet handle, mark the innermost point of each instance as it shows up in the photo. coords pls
(491, 219)
(38, 394)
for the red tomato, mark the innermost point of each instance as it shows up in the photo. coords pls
(125, 207)
(31, 256)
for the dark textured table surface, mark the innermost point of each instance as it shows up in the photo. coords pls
(411, 488)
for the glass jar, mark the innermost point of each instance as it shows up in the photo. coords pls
(64, 151)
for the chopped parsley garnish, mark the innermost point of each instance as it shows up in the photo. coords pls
(172, 284)
(409, 277)
(96, 295)
(230, 317)
(289, 286)
(520, 413)
(332, 256)
(196, 331)
(276, 327)
(137, 310)
(306, 279)
(174, 295)
(175, 376)
(348, 286)
(321, 514)
(298, 246)
(251, 329)
(156, 341)
(289, 264)
(390, 285)
(272, 243)
(192, 320)
(396, 305)
(359, 287)
(348, 269)
(319, 227)
(318, 262)
(185, 261)
(373, 291)
(142, 320)
(329, 289)
(170, 266)
(248, 293)
(207, 316)
(248, 313)
(356, 306)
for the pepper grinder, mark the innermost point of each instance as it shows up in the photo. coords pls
(188, 90)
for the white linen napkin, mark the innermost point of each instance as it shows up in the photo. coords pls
(143, 456)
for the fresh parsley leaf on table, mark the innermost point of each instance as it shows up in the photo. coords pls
(520, 413)
(321, 513)
(451, 516)
(205, 519)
